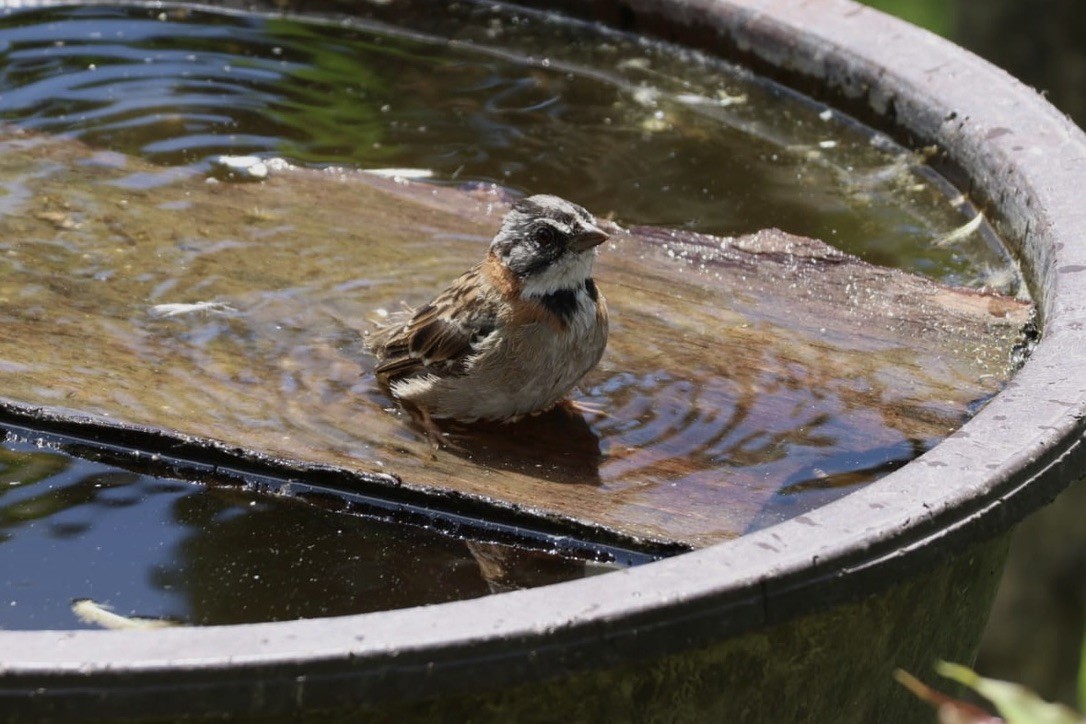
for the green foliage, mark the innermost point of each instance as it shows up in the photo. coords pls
(935, 15)
(1014, 703)
(1082, 678)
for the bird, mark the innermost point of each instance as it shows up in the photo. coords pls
(511, 336)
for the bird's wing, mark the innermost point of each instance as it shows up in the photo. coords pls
(440, 336)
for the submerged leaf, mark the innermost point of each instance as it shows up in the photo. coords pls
(92, 612)
(961, 233)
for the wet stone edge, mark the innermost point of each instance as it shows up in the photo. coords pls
(378, 496)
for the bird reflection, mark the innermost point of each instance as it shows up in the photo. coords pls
(558, 446)
(221, 554)
(508, 568)
(247, 557)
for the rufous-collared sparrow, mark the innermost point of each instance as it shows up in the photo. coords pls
(513, 335)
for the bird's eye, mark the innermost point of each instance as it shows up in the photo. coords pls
(545, 235)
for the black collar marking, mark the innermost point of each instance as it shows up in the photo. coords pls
(563, 303)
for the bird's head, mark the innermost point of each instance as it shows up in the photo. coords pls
(548, 243)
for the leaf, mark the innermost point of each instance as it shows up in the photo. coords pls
(949, 710)
(1082, 678)
(92, 612)
(1015, 703)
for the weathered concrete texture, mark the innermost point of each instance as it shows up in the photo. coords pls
(804, 671)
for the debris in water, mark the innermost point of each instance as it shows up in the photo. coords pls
(62, 220)
(92, 612)
(723, 99)
(172, 310)
(408, 173)
(241, 168)
(961, 232)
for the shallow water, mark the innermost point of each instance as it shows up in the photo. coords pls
(192, 554)
(633, 131)
(644, 132)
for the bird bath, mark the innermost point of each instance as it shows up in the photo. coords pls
(292, 318)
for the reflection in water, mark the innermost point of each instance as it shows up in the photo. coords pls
(558, 446)
(711, 393)
(652, 134)
(823, 482)
(506, 568)
(164, 548)
(696, 438)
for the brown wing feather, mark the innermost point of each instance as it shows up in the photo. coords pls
(439, 337)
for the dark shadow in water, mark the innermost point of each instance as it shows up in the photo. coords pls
(834, 476)
(849, 469)
(247, 560)
(161, 547)
(505, 568)
(558, 446)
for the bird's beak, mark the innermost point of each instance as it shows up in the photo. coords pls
(587, 237)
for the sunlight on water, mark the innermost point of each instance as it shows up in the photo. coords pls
(248, 324)
(645, 132)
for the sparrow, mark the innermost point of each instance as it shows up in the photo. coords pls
(511, 336)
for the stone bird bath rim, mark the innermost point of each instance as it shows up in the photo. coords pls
(1019, 154)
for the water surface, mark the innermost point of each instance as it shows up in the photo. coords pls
(192, 554)
(101, 246)
(646, 132)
